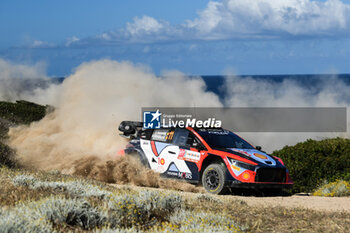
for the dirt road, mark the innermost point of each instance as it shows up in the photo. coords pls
(305, 201)
(302, 201)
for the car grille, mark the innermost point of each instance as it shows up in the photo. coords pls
(270, 175)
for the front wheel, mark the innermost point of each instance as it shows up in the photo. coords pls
(213, 179)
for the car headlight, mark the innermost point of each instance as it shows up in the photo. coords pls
(242, 164)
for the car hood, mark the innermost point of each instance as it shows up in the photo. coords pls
(254, 155)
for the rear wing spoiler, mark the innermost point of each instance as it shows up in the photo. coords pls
(130, 129)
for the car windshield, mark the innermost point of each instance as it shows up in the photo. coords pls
(223, 139)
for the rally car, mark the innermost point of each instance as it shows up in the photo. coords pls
(214, 157)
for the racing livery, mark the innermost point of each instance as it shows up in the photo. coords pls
(216, 158)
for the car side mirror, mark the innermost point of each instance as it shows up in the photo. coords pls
(258, 147)
(198, 146)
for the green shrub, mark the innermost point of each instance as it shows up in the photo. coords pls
(142, 210)
(11, 114)
(338, 188)
(312, 162)
(41, 216)
(21, 112)
(139, 210)
(7, 156)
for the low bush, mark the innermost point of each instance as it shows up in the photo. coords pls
(76, 188)
(7, 156)
(338, 188)
(12, 114)
(312, 162)
(43, 215)
(142, 210)
(22, 112)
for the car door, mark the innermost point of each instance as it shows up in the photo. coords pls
(162, 153)
(187, 156)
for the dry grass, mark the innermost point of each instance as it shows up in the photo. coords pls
(152, 210)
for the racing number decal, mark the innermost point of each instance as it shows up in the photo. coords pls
(169, 136)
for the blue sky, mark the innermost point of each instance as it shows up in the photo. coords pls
(24, 21)
(196, 37)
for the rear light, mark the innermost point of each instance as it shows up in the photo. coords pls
(121, 153)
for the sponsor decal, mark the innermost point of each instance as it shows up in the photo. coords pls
(171, 173)
(218, 131)
(181, 154)
(183, 175)
(235, 168)
(161, 161)
(190, 156)
(159, 135)
(260, 156)
(246, 176)
(151, 120)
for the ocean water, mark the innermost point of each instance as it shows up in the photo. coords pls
(314, 82)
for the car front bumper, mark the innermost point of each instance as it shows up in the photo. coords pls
(260, 185)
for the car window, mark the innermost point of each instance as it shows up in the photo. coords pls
(146, 134)
(223, 139)
(181, 137)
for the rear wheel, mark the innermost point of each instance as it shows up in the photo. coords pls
(213, 179)
(141, 158)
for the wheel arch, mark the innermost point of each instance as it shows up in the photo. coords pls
(210, 159)
(139, 154)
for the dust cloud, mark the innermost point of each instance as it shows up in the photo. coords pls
(80, 136)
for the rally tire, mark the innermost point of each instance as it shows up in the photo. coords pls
(213, 179)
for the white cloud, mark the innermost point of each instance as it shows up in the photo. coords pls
(72, 40)
(232, 19)
(144, 25)
(41, 44)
